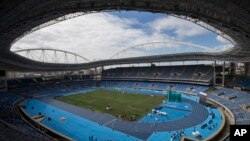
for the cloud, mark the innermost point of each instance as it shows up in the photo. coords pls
(221, 39)
(101, 35)
(94, 36)
(180, 27)
(224, 47)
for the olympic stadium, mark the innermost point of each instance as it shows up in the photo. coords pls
(123, 70)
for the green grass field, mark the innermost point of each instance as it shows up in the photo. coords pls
(123, 105)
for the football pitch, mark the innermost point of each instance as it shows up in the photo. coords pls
(127, 106)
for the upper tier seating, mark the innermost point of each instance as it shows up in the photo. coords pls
(38, 80)
(189, 74)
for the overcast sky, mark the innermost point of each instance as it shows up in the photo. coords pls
(101, 35)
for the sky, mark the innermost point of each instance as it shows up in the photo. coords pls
(99, 36)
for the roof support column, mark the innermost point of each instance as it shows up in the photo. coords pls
(95, 73)
(223, 75)
(3, 78)
(214, 72)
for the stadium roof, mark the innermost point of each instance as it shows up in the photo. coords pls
(19, 18)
